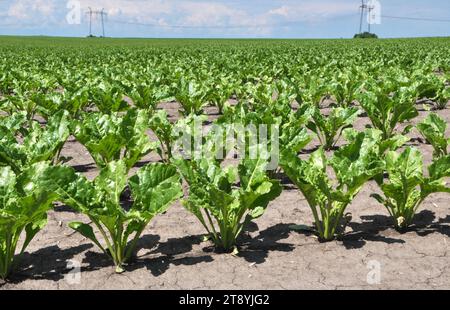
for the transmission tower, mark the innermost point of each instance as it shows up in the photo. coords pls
(365, 7)
(102, 15)
(90, 21)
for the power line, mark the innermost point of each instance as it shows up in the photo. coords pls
(417, 18)
(284, 24)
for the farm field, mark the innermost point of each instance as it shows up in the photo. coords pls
(358, 198)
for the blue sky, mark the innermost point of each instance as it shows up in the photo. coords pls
(232, 18)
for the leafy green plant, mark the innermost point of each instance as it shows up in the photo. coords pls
(192, 96)
(20, 102)
(153, 189)
(50, 104)
(353, 165)
(351, 135)
(222, 206)
(310, 89)
(407, 187)
(168, 133)
(147, 97)
(22, 146)
(24, 203)
(110, 137)
(345, 87)
(221, 93)
(164, 131)
(433, 130)
(433, 88)
(109, 99)
(386, 111)
(442, 99)
(329, 128)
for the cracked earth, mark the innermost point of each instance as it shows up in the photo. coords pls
(371, 255)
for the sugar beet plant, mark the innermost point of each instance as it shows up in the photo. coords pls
(433, 130)
(109, 99)
(153, 189)
(407, 187)
(353, 165)
(329, 128)
(388, 106)
(226, 200)
(22, 145)
(147, 97)
(168, 133)
(110, 137)
(191, 95)
(24, 202)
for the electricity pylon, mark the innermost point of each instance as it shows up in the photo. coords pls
(363, 7)
(90, 21)
(102, 14)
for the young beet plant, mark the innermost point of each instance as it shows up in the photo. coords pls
(109, 99)
(388, 107)
(147, 97)
(407, 187)
(222, 92)
(22, 146)
(154, 188)
(192, 96)
(353, 165)
(113, 137)
(168, 133)
(433, 130)
(329, 128)
(345, 86)
(24, 203)
(223, 207)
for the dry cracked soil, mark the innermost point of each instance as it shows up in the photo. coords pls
(273, 255)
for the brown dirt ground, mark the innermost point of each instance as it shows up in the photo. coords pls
(272, 256)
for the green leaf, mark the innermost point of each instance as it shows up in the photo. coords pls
(433, 129)
(32, 229)
(155, 187)
(112, 180)
(440, 168)
(86, 231)
(72, 188)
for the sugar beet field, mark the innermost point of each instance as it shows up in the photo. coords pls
(224, 164)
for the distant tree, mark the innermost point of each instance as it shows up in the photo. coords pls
(365, 35)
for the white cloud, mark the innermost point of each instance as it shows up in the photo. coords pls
(283, 11)
(26, 9)
(311, 11)
(135, 9)
(204, 13)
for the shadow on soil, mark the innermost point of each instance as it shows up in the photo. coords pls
(48, 263)
(64, 208)
(171, 252)
(84, 168)
(256, 250)
(424, 224)
(51, 262)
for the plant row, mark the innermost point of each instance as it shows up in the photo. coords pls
(224, 198)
